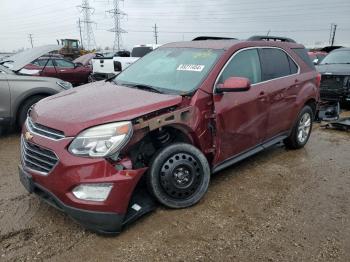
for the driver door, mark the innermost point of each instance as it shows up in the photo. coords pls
(241, 117)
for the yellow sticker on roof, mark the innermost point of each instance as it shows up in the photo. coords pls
(189, 67)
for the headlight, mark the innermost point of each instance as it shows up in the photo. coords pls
(65, 85)
(103, 140)
(93, 192)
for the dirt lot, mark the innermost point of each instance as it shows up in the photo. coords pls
(277, 206)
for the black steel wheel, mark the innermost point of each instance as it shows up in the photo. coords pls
(179, 175)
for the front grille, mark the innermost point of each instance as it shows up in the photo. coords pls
(37, 158)
(334, 82)
(43, 130)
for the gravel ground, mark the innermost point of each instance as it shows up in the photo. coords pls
(279, 205)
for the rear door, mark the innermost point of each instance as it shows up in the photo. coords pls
(241, 117)
(280, 77)
(66, 71)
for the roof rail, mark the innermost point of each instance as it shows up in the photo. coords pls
(199, 38)
(270, 38)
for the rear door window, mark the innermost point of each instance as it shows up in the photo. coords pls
(293, 66)
(275, 63)
(64, 63)
(244, 64)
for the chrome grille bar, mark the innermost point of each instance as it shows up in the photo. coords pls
(43, 130)
(37, 159)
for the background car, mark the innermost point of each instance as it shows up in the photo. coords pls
(75, 73)
(18, 93)
(317, 56)
(335, 71)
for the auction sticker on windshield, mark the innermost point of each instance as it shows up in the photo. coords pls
(188, 67)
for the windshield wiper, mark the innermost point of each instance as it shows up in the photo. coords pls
(137, 86)
(145, 87)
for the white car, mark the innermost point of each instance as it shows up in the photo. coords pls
(105, 67)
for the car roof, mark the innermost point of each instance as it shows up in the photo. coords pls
(227, 44)
(341, 49)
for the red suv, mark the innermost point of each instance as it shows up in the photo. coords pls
(104, 152)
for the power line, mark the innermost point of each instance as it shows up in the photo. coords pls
(155, 33)
(89, 37)
(332, 34)
(118, 14)
(31, 39)
(81, 38)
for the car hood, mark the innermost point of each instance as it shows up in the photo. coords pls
(84, 59)
(97, 103)
(334, 69)
(20, 60)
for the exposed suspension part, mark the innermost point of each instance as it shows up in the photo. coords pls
(162, 137)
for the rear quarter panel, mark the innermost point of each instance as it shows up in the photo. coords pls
(5, 97)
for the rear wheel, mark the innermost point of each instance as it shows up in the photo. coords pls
(179, 175)
(22, 113)
(301, 130)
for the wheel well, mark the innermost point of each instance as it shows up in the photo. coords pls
(142, 152)
(312, 104)
(21, 103)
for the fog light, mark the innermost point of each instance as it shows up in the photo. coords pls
(93, 192)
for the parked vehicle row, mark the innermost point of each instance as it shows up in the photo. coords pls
(105, 152)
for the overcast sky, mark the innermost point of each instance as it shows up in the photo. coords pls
(307, 21)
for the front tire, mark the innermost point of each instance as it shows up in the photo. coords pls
(301, 130)
(22, 113)
(179, 175)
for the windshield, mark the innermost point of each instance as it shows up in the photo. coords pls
(337, 57)
(171, 70)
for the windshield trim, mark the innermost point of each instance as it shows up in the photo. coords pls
(220, 52)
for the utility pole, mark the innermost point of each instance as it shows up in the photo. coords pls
(81, 37)
(31, 39)
(333, 34)
(89, 37)
(117, 14)
(155, 33)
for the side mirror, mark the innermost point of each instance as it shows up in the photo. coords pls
(234, 84)
(315, 61)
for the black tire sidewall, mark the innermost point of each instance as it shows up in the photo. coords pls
(153, 180)
(22, 113)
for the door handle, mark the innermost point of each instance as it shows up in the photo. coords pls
(262, 93)
(262, 96)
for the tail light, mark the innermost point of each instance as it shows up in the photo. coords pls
(117, 66)
(318, 80)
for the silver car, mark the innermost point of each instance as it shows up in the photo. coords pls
(18, 92)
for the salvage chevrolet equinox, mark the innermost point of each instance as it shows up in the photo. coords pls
(106, 152)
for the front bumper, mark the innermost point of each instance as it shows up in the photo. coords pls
(56, 187)
(336, 95)
(100, 222)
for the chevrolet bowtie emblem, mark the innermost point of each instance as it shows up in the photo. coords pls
(28, 136)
